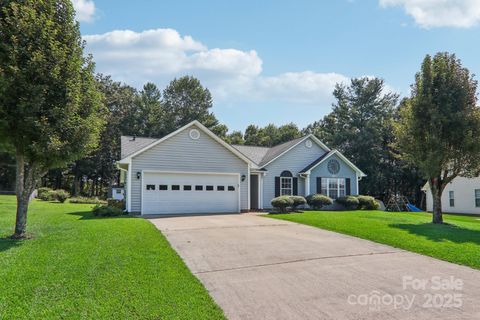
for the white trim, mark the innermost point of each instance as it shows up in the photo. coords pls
(327, 179)
(311, 136)
(291, 186)
(129, 187)
(343, 158)
(260, 191)
(248, 188)
(199, 173)
(307, 185)
(141, 194)
(200, 126)
(358, 179)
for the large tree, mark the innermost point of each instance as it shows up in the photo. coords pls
(361, 126)
(439, 125)
(49, 102)
(271, 135)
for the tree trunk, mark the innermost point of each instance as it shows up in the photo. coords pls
(437, 202)
(25, 184)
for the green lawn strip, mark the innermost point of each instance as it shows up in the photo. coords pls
(458, 242)
(79, 267)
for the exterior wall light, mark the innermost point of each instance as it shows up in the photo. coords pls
(243, 177)
(139, 174)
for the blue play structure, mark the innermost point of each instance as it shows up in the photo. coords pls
(412, 208)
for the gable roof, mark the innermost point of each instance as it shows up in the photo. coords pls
(130, 144)
(193, 123)
(327, 155)
(254, 153)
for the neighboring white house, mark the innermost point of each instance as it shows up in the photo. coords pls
(462, 195)
(194, 171)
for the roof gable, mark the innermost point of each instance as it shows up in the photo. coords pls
(130, 144)
(193, 123)
(324, 157)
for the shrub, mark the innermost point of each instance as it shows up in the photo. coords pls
(367, 203)
(86, 200)
(282, 203)
(297, 201)
(106, 211)
(349, 202)
(41, 192)
(120, 204)
(317, 201)
(47, 195)
(61, 195)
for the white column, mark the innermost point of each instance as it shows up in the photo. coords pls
(260, 191)
(307, 185)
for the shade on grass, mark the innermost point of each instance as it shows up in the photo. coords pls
(79, 267)
(458, 242)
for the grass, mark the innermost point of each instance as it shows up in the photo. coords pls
(79, 267)
(457, 242)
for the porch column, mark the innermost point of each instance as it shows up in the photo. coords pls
(307, 184)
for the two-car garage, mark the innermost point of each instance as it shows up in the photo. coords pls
(185, 192)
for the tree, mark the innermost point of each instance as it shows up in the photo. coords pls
(361, 127)
(236, 137)
(271, 135)
(50, 107)
(440, 124)
(185, 100)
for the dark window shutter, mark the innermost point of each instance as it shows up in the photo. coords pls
(348, 186)
(295, 186)
(319, 185)
(277, 186)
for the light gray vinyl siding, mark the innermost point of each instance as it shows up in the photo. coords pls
(181, 153)
(322, 171)
(294, 160)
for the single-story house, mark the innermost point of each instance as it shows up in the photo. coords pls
(192, 170)
(461, 195)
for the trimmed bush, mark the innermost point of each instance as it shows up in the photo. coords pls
(48, 195)
(349, 202)
(298, 201)
(41, 192)
(120, 204)
(367, 203)
(86, 200)
(106, 211)
(282, 203)
(317, 201)
(61, 195)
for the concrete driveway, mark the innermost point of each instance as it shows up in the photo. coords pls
(261, 268)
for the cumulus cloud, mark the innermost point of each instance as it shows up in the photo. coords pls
(159, 55)
(440, 13)
(85, 10)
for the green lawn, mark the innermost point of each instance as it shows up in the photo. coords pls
(458, 243)
(79, 267)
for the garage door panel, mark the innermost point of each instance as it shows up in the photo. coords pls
(169, 201)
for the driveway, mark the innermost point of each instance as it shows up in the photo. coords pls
(260, 268)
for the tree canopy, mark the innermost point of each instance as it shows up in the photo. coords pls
(439, 125)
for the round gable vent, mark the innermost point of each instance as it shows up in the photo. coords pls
(308, 144)
(333, 166)
(194, 134)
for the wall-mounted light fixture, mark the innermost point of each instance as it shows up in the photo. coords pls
(139, 174)
(243, 177)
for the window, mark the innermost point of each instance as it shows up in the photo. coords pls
(451, 198)
(175, 187)
(333, 187)
(286, 183)
(209, 188)
(163, 187)
(231, 188)
(187, 188)
(220, 188)
(150, 187)
(118, 191)
(198, 188)
(477, 198)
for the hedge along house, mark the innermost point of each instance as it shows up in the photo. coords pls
(192, 170)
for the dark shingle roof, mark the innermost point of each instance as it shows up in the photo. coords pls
(278, 150)
(129, 145)
(314, 163)
(253, 153)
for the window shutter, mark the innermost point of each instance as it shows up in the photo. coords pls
(319, 185)
(277, 186)
(348, 190)
(295, 186)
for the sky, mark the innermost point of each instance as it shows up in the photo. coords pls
(275, 61)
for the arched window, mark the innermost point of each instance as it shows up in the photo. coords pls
(286, 183)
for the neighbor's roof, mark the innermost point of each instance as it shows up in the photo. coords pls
(130, 145)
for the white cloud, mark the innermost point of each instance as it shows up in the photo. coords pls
(234, 76)
(440, 13)
(85, 10)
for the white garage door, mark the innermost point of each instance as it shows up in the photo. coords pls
(175, 193)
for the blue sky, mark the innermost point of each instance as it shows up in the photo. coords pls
(275, 62)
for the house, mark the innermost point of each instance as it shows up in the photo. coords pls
(461, 195)
(192, 170)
